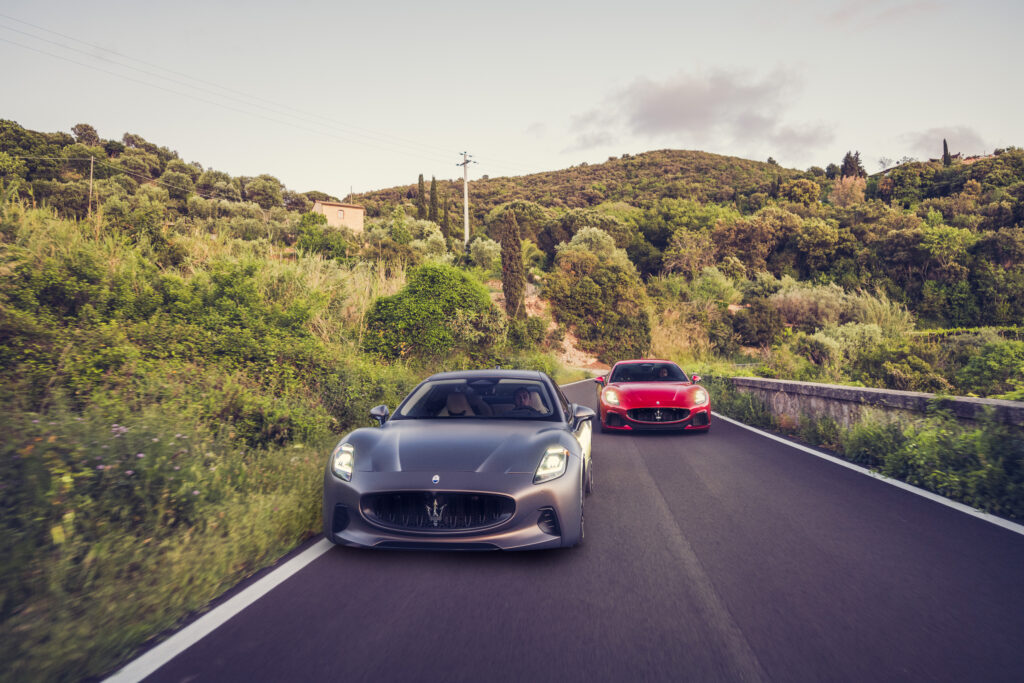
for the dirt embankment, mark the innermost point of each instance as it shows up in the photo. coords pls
(569, 353)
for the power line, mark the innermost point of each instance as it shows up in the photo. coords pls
(278, 105)
(218, 104)
(276, 108)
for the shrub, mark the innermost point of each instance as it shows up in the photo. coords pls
(420, 320)
(808, 307)
(596, 289)
(996, 369)
(485, 253)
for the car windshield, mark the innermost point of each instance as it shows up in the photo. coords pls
(648, 372)
(479, 397)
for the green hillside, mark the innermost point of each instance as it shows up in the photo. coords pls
(635, 179)
(178, 353)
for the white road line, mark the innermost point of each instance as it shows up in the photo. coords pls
(152, 660)
(146, 664)
(577, 382)
(960, 507)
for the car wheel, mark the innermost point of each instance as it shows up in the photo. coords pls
(604, 428)
(582, 520)
(590, 477)
(577, 538)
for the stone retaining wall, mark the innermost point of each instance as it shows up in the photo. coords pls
(844, 404)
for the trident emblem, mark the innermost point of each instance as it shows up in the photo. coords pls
(436, 514)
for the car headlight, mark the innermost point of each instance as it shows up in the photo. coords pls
(343, 460)
(700, 397)
(552, 465)
(610, 396)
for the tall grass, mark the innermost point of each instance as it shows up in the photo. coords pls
(166, 424)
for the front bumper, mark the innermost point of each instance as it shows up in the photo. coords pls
(346, 523)
(617, 418)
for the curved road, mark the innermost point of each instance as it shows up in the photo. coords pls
(724, 556)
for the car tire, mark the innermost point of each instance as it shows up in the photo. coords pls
(576, 539)
(590, 478)
(604, 428)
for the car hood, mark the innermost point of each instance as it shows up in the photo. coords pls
(437, 445)
(648, 392)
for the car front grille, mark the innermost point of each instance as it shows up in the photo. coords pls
(427, 511)
(658, 414)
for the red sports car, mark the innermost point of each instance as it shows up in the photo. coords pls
(652, 395)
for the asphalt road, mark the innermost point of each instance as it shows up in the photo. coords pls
(724, 556)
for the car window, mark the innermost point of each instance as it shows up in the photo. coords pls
(479, 397)
(648, 372)
(561, 398)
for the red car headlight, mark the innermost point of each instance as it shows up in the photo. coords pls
(610, 396)
(700, 397)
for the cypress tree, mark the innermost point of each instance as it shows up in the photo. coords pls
(421, 201)
(446, 228)
(946, 159)
(513, 275)
(433, 199)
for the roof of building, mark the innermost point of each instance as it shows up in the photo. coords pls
(350, 206)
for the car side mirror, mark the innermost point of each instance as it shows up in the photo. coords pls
(599, 380)
(581, 413)
(695, 378)
(380, 414)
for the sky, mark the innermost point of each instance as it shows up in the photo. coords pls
(338, 96)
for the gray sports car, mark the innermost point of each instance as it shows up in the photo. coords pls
(474, 460)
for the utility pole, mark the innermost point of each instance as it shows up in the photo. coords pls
(465, 197)
(92, 160)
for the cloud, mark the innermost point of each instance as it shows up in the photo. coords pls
(719, 108)
(537, 129)
(871, 13)
(928, 144)
(590, 140)
(702, 105)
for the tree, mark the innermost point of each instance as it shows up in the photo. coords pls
(596, 289)
(513, 275)
(421, 201)
(85, 134)
(801, 191)
(265, 190)
(852, 166)
(432, 216)
(946, 159)
(179, 185)
(446, 228)
(441, 309)
(847, 191)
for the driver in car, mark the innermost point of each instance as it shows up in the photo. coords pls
(521, 403)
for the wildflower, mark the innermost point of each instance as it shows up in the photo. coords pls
(101, 467)
(195, 492)
(177, 467)
(155, 439)
(140, 455)
(129, 472)
(35, 422)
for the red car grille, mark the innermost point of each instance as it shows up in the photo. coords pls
(657, 414)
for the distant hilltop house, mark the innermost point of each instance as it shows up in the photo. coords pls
(338, 214)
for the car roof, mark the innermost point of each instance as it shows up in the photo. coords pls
(645, 360)
(496, 372)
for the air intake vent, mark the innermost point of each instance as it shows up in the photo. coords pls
(548, 522)
(340, 520)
